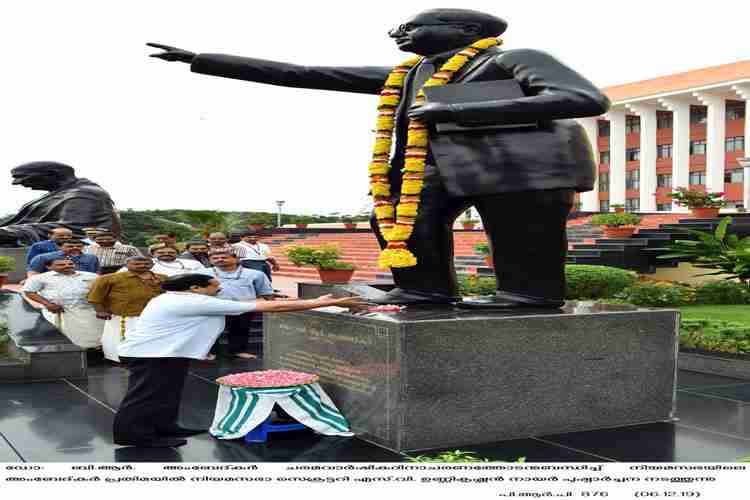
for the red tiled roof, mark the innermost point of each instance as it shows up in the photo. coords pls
(680, 81)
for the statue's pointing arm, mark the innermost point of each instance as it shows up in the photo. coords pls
(358, 79)
(553, 91)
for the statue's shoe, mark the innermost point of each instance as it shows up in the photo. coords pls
(401, 297)
(505, 300)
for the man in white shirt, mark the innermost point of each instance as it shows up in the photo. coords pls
(258, 255)
(167, 263)
(62, 291)
(174, 328)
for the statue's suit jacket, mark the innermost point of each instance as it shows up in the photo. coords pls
(78, 204)
(556, 154)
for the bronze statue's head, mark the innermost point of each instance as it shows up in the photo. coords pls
(440, 30)
(42, 175)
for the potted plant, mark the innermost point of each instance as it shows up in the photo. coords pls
(618, 207)
(469, 223)
(616, 225)
(484, 249)
(702, 204)
(348, 222)
(325, 258)
(7, 265)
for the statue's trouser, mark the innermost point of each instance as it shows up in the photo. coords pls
(526, 230)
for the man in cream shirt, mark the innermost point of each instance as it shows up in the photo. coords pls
(174, 328)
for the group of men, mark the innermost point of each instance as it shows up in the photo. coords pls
(95, 293)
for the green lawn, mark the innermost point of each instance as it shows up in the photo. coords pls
(739, 314)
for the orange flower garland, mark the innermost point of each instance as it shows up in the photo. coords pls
(397, 223)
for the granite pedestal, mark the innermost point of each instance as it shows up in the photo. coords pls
(433, 377)
(38, 350)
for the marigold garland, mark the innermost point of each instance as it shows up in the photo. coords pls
(396, 223)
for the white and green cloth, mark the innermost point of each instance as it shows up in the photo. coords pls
(241, 409)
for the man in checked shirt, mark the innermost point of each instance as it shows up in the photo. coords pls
(111, 257)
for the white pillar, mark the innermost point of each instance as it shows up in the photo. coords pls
(647, 174)
(744, 92)
(616, 156)
(715, 140)
(590, 199)
(680, 145)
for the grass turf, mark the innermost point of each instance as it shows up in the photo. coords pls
(739, 314)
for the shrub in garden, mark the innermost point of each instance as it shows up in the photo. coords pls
(596, 282)
(722, 293)
(658, 294)
(472, 284)
(715, 335)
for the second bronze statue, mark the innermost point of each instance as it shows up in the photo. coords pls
(522, 180)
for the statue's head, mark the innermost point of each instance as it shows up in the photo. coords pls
(42, 175)
(441, 30)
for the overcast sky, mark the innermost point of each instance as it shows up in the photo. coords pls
(78, 87)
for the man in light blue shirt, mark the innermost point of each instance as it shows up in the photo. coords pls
(71, 249)
(239, 284)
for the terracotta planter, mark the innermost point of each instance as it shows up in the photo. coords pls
(350, 225)
(468, 225)
(301, 226)
(488, 260)
(256, 227)
(618, 231)
(336, 275)
(619, 209)
(3, 279)
(705, 213)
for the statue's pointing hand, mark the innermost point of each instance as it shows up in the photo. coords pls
(433, 112)
(172, 53)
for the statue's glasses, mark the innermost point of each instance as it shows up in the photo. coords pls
(409, 27)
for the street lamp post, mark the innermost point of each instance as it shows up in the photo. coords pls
(279, 203)
(745, 164)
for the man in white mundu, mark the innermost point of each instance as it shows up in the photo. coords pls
(62, 291)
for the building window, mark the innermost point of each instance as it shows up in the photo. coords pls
(698, 114)
(603, 128)
(664, 180)
(632, 179)
(734, 176)
(735, 110)
(632, 204)
(697, 178)
(632, 125)
(603, 182)
(663, 207)
(604, 205)
(604, 157)
(736, 143)
(632, 154)
(698, 147)
(664, 120)
(664, 151)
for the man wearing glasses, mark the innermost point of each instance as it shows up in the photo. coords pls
(240, 284)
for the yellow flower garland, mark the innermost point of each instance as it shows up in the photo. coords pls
(397, 223)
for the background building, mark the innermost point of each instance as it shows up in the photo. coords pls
(682, 130)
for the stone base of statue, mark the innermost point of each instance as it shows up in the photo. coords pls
(434, 377)
(37, 350)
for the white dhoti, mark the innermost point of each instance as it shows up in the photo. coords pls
(115, 330)
(79, 323)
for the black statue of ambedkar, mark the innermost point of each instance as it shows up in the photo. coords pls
(521, 180)
(72, 203)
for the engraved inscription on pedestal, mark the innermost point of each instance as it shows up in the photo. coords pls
(354, 360)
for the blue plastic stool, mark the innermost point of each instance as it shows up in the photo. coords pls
(260, 433)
